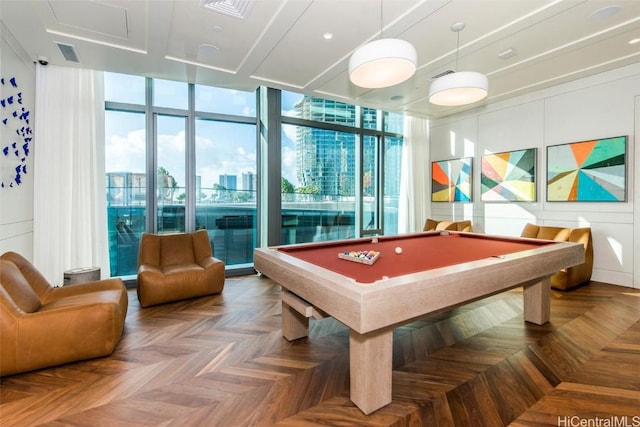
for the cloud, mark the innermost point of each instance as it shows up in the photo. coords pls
(289, 165)
(220, 149)
(126, 154)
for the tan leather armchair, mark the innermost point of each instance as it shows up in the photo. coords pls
(435, 225)
(573, 276)
(173, 267)
(42, 325)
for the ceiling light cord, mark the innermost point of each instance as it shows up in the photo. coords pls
(383, 62)
(381, 19)
(457, 28)
(458, 87)
(457, 51)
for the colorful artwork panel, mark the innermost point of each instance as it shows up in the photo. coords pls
(451, 180)
(588, 171)
(509, 176)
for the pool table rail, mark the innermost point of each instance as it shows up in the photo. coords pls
(397, 300)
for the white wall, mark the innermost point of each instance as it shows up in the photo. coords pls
(16, 204)
(600, 106)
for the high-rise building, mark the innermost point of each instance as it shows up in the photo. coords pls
(249, 182)
(326, 158)
(230, 182)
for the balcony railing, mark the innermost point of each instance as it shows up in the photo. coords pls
(230, 219)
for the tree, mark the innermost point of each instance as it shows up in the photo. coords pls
(285, 186)
(309, 189)
(220, 192)
(167, 184)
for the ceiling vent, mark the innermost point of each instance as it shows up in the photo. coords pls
(444, 73)
(235, 8)
(68, 51)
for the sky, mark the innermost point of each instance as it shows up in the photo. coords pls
(221, 148)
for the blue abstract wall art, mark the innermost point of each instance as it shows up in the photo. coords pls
(16, 124)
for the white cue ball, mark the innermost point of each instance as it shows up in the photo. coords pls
(398, 250)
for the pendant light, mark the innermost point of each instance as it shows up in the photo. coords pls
(383, 62)
(458, 88)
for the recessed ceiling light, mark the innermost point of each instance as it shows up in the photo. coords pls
(207, 49)
(397, 98)
(634, 41)
(327, 36)
(605, 12)
(207, 53)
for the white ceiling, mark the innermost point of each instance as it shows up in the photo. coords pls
(280, 43)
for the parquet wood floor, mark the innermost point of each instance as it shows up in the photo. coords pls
(221, 361)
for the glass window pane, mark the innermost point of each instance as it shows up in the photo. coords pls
(370, 220)
(288, 103)
(394, 122)
(226, 188)
(318, 184)
(125, 156)
(171, 175)
(170, 94)
(124, 88)
(370, 118)
(317, 109)
(392, 173)
(211, 99)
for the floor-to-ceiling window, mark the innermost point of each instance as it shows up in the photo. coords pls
(334, 160)
(184, 160)
(226, 171)
(318, 184)
(125, 158)
(171, 177)
(181, 157)
(392, 158)
(125, 161)
(226, 189)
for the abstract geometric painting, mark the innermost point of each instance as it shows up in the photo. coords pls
(451, 180)
(509, 176)
(588, 171)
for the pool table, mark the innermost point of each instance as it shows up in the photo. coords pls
(433, 272)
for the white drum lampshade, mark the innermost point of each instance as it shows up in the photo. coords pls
(382, 63)
(464, 87)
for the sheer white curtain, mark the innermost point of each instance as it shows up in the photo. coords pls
(414, 204)
(70, 224)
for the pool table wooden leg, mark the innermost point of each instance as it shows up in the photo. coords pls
(294, 324)
(370, 362)
(537, 301)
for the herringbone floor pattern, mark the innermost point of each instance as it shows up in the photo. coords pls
(221, 361)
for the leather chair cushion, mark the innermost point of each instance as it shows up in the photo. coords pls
(559, 234)
(18, 288)
(566, 278)
(176, 249)
(443, 225)
(435, 225)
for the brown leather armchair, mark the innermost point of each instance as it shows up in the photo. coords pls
(42, 325)
(573, 276)
(435, 225)
(173, 267)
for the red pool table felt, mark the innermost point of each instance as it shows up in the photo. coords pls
(420, 252)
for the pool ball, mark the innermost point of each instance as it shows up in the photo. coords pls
(398, 250)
